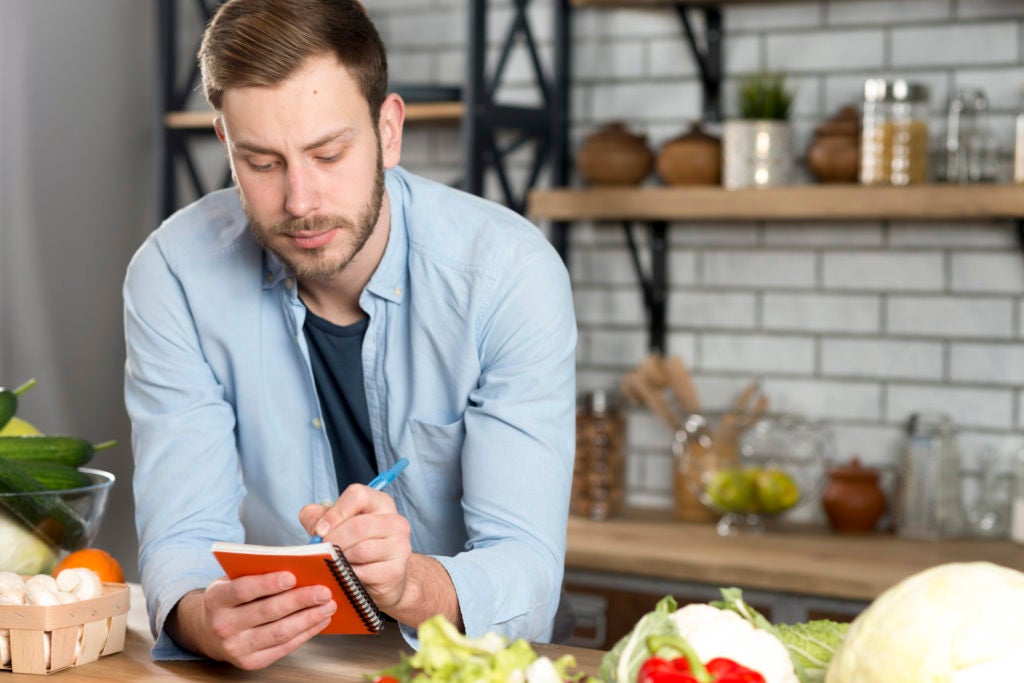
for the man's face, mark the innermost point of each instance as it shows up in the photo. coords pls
(308, 162)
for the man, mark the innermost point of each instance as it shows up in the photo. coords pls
(291, 337)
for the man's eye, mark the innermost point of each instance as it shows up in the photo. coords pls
(261, 168)
(328, 159)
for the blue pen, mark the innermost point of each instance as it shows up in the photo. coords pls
(378, 483)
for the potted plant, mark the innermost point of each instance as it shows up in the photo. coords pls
(757, 148)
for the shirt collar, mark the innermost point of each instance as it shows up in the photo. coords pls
(390, 280)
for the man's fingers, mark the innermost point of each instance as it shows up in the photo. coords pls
(355, 501)
(263, 646)
(225, 593)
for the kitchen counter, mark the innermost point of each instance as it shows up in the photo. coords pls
(335, 658)
(815, 563)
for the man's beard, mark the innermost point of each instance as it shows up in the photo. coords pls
(313, 264)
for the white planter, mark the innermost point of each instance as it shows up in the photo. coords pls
(756, 154)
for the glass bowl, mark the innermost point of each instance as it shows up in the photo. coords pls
(38, 529)
(751, 479)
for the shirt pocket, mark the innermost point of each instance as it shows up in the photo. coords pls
(439, 450)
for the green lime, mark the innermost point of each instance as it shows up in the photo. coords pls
(776, 491)
(732, 490)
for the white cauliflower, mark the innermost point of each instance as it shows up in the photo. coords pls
(714, 632)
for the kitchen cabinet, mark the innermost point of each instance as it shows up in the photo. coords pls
(616, 570)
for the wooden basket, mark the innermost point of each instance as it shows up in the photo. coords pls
(79, 633)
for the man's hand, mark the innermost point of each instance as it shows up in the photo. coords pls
(376, 541)
(251, 621)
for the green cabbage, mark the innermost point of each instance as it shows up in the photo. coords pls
(21, 551)
(952, 623)
(812, 645)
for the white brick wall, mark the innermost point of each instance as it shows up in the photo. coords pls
(859, 324)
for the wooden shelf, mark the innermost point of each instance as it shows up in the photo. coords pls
(414, 113)
(797, 203)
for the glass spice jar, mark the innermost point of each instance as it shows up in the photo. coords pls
(894, 133)
(598, 489)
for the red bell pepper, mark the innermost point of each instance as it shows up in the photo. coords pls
(689, 668)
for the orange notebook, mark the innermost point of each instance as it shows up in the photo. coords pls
(315, 564)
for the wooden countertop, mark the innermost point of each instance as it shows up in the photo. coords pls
(805, 563)
(334, 658)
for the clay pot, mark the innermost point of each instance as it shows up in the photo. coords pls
(834, 158)
(691, 159)
(834, 154)
(614, 156)
(852, 499)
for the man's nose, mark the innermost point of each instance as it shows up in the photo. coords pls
(302, 194)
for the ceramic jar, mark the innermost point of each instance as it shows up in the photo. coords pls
(691, 159)
(852, 499)
(834, 154)
(756, 153)
(614, 156)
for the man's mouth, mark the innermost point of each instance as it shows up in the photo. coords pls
(312, 240)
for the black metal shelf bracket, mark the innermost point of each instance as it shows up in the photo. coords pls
(175, 94)
(545, 125)
(708, 57)
(654, 282)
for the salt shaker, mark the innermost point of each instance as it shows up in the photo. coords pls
(598, 489)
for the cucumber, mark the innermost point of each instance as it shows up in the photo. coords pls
(69, 450)
(55, 476)
(9, 401)
(46, 515)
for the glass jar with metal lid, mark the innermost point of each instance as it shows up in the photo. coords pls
(894, 136)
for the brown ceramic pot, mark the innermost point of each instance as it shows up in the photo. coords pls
(835, 158)
(852, 499)
(614, 156)
(691, 159)
(834, 154)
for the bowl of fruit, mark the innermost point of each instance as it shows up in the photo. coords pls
(51, 504)
(773, 468)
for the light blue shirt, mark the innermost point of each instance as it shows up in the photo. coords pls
(469, 364)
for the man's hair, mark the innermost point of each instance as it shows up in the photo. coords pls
(264, 42)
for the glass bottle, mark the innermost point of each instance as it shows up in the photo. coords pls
(1017, 501)
(894, 137)
(928, 502)
(1018, 155)
(598, 489)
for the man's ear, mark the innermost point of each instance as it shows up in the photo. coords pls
(218, 127)
(389, 125)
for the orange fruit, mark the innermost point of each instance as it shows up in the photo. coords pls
(100, 561)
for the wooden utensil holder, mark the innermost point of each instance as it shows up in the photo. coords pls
(93, 627)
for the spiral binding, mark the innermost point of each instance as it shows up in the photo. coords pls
(355, 591)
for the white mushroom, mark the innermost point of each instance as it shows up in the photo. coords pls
(44, 580)
(12, 589)
(38, 594)
(66, 597)
(84, 583)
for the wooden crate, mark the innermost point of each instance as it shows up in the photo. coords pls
(92, 627)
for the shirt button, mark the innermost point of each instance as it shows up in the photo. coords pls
(288, 282)
(270, 277)
(317, 424)
(398, 291)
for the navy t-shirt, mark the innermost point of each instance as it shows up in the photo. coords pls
(335, 352)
